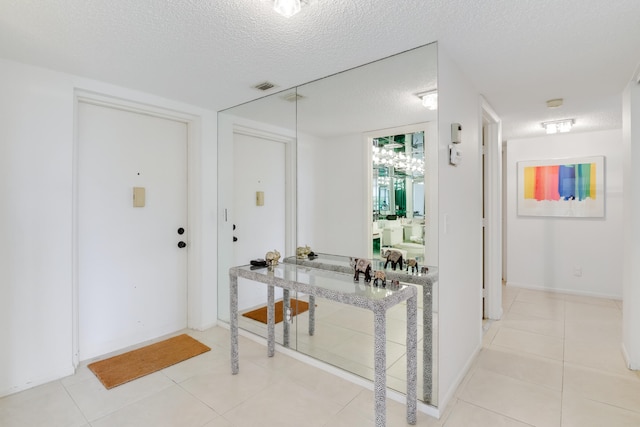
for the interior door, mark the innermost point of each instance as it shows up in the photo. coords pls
(259, 165)
(132, 268)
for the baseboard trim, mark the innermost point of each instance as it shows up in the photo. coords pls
(563, 291)
(444, 401)
(627, 359)
(34, 382)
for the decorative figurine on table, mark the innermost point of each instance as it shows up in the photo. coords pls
(379, 279)
(424, 270)
(393, 257)
(395, 284)
(272, 258)
(303, 252)
(413, 263)
(361, 265)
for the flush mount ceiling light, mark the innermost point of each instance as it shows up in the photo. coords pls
(287, 8)
(555, 103)
(558, 126)
(429, 99)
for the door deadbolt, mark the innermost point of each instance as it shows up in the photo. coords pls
(181, 231)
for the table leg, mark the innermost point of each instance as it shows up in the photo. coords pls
(380, 362)
(427, 343)
(233, 289)
(271, 321)
(312, 314)
(412, 358)
(286, 325)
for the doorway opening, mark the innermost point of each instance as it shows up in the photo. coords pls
(491, 138)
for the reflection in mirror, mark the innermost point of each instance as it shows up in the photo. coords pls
(259, 137)
(336, 121)
(398, 195)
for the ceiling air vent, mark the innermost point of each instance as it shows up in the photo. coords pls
(264, 86)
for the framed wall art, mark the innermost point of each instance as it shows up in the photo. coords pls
(572, 187)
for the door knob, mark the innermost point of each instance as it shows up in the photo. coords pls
(181, 244)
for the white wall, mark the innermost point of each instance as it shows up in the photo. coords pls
(544, 252)
(631, 242)
(36, 220)
(460, 230)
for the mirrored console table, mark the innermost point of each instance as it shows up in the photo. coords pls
(340, 287)
(426, 281)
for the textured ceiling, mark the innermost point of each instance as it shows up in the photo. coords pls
(209, 53)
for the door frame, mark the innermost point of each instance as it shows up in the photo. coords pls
(193, 201)
(491, 133)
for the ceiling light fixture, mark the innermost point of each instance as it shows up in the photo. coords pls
(429, 99)
(287, 8)
(555, 103)
(556, 126)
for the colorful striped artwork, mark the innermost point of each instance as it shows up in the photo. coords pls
(560, 182)
(570, 187)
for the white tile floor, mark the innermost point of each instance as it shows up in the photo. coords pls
(554, 360)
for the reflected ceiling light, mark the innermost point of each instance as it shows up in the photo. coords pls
(287, 8)
(558, 126)
(429, 99)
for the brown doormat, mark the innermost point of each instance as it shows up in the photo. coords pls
(260, 314)
(123, 368)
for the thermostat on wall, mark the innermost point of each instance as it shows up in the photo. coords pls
(456, 133)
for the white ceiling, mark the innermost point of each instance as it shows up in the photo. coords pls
(518, 53)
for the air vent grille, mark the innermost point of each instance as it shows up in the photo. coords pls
(264, 86)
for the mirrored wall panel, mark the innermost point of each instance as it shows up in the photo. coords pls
(358, 155)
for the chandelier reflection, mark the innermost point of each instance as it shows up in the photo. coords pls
(399, 161)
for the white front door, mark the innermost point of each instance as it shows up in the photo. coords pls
(259, 165)
(132, 275)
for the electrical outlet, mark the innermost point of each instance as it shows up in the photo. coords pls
(577, 271)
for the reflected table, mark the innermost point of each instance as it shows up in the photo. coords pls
(339, 287)
(426, 280)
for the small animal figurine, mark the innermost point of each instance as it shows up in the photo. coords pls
(379, 279)
(361, 265)
(272, 258)
(393, 257)
(424, 269)
(413, 263)
(303, 252)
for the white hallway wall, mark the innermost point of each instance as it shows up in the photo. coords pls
(459, 229)
(36, 220)
(543, 252)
